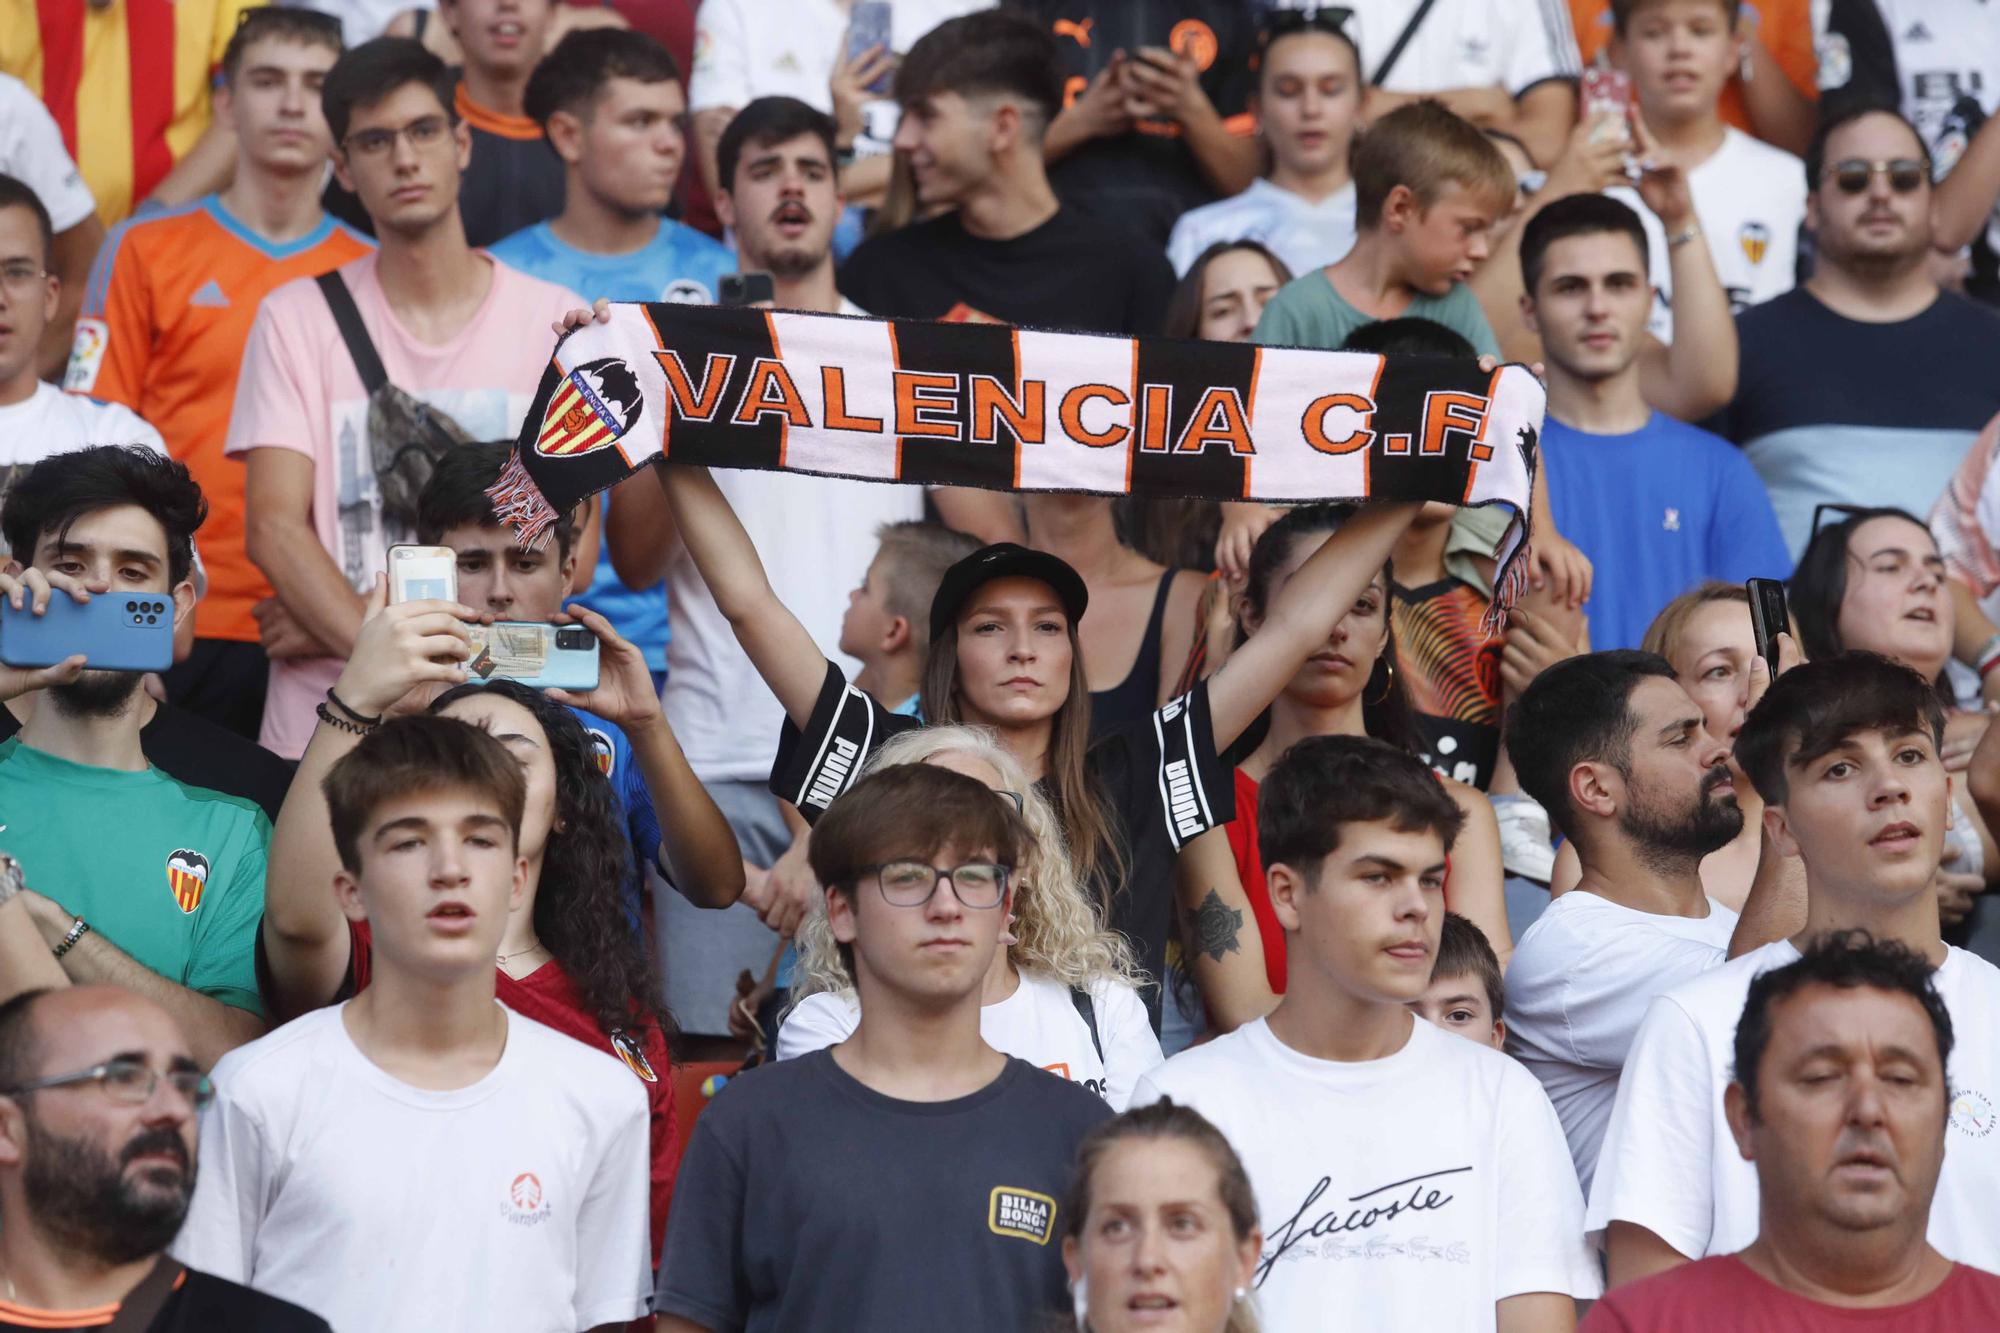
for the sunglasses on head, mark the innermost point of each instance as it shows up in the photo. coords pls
(1278, 23)
(1906, 174)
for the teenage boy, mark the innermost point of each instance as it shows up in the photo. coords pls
(36, 418)
(1467, 994)
(610, 102)
(169, 308)
(1656, 504)
(1307, 106)
(936, 1204)
(1462, 1210)
(1840, 1100)
(137, 879)
(452, 328)
(98, 1097)
(1844, 751)
(977, 95)
(674, 825)
(497, 1149)
(887, 626)
(1749, 198)
(1428, 188)
(1615, 750)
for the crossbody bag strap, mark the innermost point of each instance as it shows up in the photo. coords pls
(1402, 41)
(347, 318)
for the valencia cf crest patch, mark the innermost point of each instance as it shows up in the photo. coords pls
(596, 404)
(1755, 238)
(633, 1054)
(187, 876)
(602, 751)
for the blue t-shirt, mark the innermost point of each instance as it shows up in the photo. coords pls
(635, 801)
(1657, 511)
(679, 265)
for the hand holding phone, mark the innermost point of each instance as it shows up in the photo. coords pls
(742, 289)
(1769, 617)
(111, 631)
(422, 574)
(869, 28)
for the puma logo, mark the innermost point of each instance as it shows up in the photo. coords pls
(1080, 30)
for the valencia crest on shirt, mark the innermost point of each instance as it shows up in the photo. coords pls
(633, 1054)
(187, 876)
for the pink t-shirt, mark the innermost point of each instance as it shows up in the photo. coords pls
(299, 390)
(1723, 1295)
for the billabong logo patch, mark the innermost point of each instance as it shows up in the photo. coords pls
(187, 876)
(633, 1055)
(598, 402)
(1021, 1213)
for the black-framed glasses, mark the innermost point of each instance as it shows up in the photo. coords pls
(129, 1081)
(978, 884)
(423, 132)
(289, 15)
(1277, 23)
(1852, 175)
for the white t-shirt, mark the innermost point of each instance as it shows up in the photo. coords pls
(1577, 988)
(1038, 1023)
(517, 1203)
(1303, 234)
(31, 151)
(50, 422)
(1670, 1164)
(1410, 1192)
(1511, 44)
(1750, 199)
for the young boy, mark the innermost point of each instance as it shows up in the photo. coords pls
(907, 1177)
(1749, 198)
(1403, 1178)
(1428, 188)
(1467, 994)
(420, 1128)
(887, 625)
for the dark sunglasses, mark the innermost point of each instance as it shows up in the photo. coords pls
(1278, 23)
(1906, 174)
(289, 15)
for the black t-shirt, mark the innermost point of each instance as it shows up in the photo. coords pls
(808, 1201)
(1160, 779)
(1146, 178)
(1072, 272)
(199, 1304)
(189, 748)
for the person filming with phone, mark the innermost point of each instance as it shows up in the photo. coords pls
(133, 878)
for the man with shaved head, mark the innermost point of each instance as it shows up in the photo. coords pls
(98, 1095)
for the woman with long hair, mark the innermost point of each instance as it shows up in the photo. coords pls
(1161, 1208)
(1348, 687)
(571, 956)
(1005, 653)
(1061, 995)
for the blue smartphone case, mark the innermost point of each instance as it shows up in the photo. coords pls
(114, 631)
(536, 654)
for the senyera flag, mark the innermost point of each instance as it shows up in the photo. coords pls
(1020, 410)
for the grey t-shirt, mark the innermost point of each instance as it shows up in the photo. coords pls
(809, 1202)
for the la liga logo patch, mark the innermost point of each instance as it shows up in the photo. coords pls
(187, 877)
(598, 402)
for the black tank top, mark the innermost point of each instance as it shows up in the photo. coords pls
(1136, 696)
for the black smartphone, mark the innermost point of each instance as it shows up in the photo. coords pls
(1768, 617)
(747, 289)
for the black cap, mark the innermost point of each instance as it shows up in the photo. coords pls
(1005, 560)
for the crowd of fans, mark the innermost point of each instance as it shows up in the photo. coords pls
(840, 959)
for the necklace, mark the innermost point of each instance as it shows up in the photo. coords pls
(505, 958)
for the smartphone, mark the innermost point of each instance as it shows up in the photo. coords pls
(747, 289)
(1768, 617)
(869, 27)
(1606, 92)
(534, 653)
(423, 574)
(114, 632)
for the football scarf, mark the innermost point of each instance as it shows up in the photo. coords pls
(1012, 409)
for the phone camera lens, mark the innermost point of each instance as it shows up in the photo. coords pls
(131, 606)
(152, 620)
(573, 638)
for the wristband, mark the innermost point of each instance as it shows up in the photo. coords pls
(77, 931)
(1680, 238)
(363, 718)
(339, 723)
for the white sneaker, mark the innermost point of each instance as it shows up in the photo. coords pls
(1526, 847)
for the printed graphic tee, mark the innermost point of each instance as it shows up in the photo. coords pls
(1410, 1192)
(811, 1203)
(517, 1202)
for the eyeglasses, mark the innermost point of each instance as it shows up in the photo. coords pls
(1845, 512)
(1906, 174)
(422, 132)
(129, 1081)
(289, 16)
(978, 884)
(1278, 23)
(20, 274)
(1014, 799)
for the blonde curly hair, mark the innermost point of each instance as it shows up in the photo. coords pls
(1056, 930)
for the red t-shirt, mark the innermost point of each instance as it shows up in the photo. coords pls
(548, 996)
(1250, 870)
(1723, 1295)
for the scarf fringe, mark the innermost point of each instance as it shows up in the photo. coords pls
(519, 503)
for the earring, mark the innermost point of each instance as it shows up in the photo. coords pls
(1242, 1294)
(1080, 1302)
(1388, 680)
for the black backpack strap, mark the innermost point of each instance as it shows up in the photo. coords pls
(1080, 997)
(145, 1301)
(1402, 41)
(347, 318)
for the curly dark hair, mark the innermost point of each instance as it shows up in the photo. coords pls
(580, 910)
